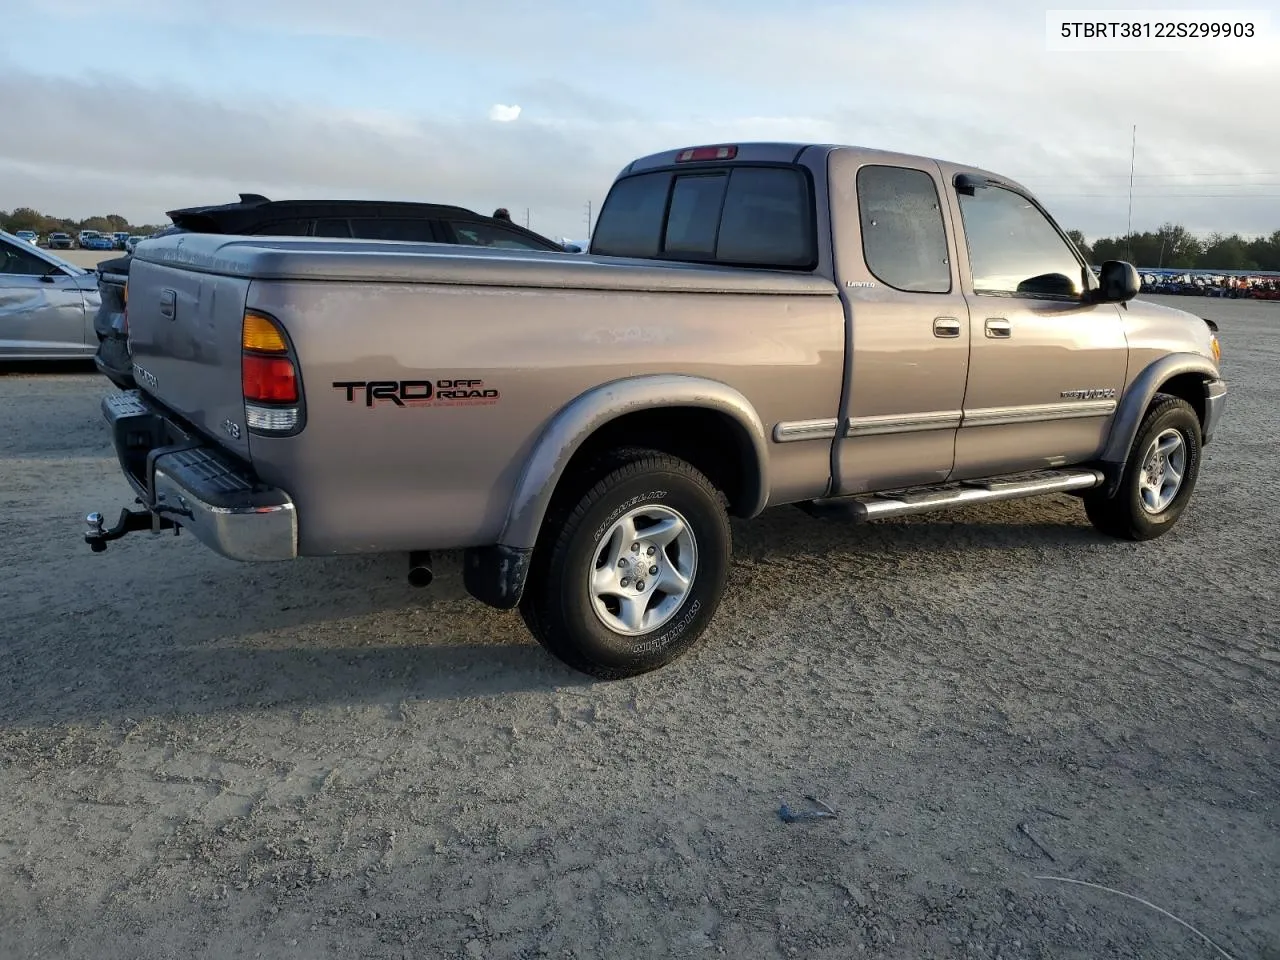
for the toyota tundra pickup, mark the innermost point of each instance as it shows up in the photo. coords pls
(859, 333)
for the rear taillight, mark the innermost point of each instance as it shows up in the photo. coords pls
(269, 377)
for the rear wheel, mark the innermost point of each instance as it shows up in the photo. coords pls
(1159, 475)
(637, 567)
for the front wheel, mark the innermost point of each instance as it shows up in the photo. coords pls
(637, 568)
(1159, 475)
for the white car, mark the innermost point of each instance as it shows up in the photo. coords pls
(28, 235)
(47, 305)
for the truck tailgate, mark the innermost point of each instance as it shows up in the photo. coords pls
(184, 330)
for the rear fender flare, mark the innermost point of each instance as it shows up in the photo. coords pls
(1133, 406)
(496, 574)
(588, 412)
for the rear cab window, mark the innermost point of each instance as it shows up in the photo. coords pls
(755, 215)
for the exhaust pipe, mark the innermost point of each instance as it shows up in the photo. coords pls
(420, 574)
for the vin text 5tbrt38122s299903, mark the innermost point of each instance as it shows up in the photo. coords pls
(860, 333)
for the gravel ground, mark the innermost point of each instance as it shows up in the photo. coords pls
(89, 259)
(313, 760)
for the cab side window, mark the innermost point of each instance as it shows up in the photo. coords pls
(400, 229)
(1015, 250)
(904, 239)
(20, 263)
(284, 228)
(333, 227)
(477, 234)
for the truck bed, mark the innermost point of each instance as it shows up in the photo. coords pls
(265, 258)
(527, 332)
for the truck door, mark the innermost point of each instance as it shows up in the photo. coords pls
(908, 324)
(1046, 366)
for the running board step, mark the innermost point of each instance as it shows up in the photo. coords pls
(943, 496)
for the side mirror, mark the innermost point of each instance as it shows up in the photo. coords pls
(1118, 282)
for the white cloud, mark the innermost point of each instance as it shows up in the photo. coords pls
(966, 82)
(501, 113)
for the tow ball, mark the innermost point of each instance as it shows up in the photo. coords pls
(131, 521)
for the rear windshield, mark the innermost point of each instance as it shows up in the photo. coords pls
(749, 216)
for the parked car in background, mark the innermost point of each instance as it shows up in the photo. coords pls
(98, 242)
(132, 242)
(30, 236)
(255, 215)
(83, 236)
(119, 238)
(47, 305)
(60, 241)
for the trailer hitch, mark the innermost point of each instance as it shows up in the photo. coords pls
(131, 521)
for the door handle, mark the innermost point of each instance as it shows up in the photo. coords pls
(999, 329)
(946, 327)
(169, 304)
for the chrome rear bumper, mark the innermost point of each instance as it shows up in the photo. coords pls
(185, 481)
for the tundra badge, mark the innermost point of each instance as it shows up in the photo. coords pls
(146, 376)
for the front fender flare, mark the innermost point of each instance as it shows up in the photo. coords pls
(496, 574)
(1133, 406)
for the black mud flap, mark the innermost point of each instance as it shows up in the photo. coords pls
(496, 575)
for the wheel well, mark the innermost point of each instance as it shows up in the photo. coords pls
(1189, 387)
(711, 441)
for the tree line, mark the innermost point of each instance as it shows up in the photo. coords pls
(1175, 246)
(1170, 246)
(25, 218)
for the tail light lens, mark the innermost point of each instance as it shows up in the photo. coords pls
(269, 376)
(268, 379)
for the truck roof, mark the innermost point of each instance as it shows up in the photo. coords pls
(791, 152)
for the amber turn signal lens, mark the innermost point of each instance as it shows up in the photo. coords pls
(260, 333)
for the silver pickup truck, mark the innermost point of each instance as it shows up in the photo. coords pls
(859, 333)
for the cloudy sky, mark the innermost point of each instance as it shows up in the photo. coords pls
(140, 106)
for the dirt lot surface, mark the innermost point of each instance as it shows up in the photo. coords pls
(87, 258)
(313, 760)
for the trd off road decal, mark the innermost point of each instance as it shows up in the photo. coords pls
(419, 393)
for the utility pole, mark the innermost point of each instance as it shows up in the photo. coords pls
(1133, 154)
(588, 219)
(526, 218)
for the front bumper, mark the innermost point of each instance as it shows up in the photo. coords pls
(183, 480)
(1215, 400)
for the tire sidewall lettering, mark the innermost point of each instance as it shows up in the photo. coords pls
(652, 644)
(630, 504)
